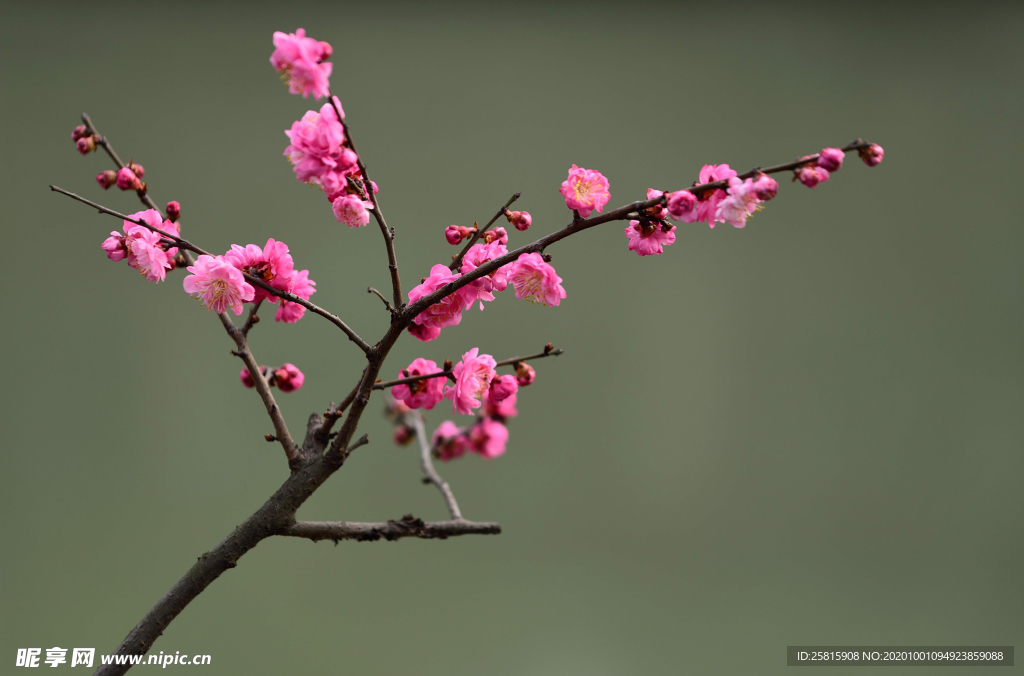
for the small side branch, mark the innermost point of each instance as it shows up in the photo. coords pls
(407, 527)
(105, 144)
(377, 293)
(548, 352)
(427, 463)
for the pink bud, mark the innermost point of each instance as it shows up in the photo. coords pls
(325, 51)
(106, 178)
(403, 435)
(766, 187)
(525, 374)
(127, 180)
(423, 332)
(496, 235)
(86, 144)
(289, 378)
(456, 233)
(680, 204)
(812, 175)
(78, 132)
(872, 155)
(503, 387)
(830, 159)
(115, 246)
(173, 211)
(520, 219)
(246, 377)
(137, 169)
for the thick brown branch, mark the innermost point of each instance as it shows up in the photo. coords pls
(447, 373)
(390, 530)
(255, 281)
(578, 225)
(457, 261)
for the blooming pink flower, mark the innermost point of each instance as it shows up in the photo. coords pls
(303, 287)
(830, 159)
(352, 211)
(447, 311)
(525, 375)
(740, 203)
(708, 200)
(450, 441)
(302, 60)
(521, 220)
(316, 145)
(872, 155)
(680, 205)
(502, 387)
(272, 264)
(648, 239)
(585, 190)
(502, 410)
(811, 175)
(115, 246)
(127, 180)
(218, 283)
(536, 281)
(472, 377)
(288, 378)
(765, 187)
(146, 254)
(488, 438)
(658, 210)
(422, 393)
(479, 254)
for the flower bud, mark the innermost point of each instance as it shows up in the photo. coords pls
(78, 132)
(496, 235)
(830, 159)
(812, 175)
(525, 374)
(246, 377)
(127, 180)
(289, 378)
(106, 178)
(872, 155)
(520, 219)
(680, 204)
(347, 160)
(86, 144)
(137, 169)
(765, 187)
(456, 233)
(502, 387)
(173, 211)
(403, 435)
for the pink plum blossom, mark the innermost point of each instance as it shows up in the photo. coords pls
(708, 200)
(658, 211)
(502, 387)
(830, 159)
(218, 283)
(448, 310)
(521, 220)
(317, 150)
(536, 281)
(472, 377)
(288, 378)
(456, 233)
(525, 375)
(450, 440)
(424, 333)
(488, 438)
(422, 393)
(302, 59)
(680, 205)
(585, 190)
(741, 202)
(115, 246)
(271, 264)
(648, 239)
(498, 235)
(146, 255)
(303, 287)
(765, 187)
(352, 211)
(872, 155)
(127, 180)
(479, 254)
(811, 175)
(504, 409)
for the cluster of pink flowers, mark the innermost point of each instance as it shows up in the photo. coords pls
(219, 281)
(478, 386)
(303, 63)
(585, 191)
(286, 377)
(144, 249)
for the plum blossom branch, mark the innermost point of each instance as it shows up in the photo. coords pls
(105, 144)
(406, 527)
(457, 260)
(252, 319)
(448, 373)
(428, 465)
(377, 293)
(255, 281)
(579, 224)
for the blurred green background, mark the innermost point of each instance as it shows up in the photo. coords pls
(805, 432)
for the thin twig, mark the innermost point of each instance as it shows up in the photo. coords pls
(377, 293)
(105, 143)
(427, 463)
(252, 318)
(391, 530)
(457, 260)
(255, 281)
(448, 373)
